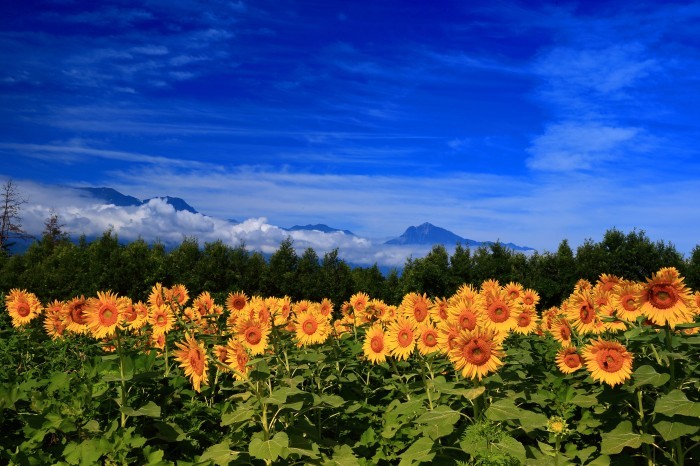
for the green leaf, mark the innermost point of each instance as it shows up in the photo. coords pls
(675, 402)
(620, 437)
(87, 452)
(530, 420)
(472, 393)
(334, 401)
(440, 421)
(418, 452)
(647, 375)
(150, 409)
(584, 401)
(343, 456)
(503, 410)
(269, 449)
(220, 454)
(242, 414)
(677, 426)
(512, 447)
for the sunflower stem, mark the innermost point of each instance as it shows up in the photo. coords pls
(122, 380)
(425, 382)
(642, 427)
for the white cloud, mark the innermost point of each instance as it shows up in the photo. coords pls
(571, 146)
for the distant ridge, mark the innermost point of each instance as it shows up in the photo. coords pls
(111, 196)
(428, 233)
(319, 227)
(114, 197)
(176, 202)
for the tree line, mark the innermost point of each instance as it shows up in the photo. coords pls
(54, 267)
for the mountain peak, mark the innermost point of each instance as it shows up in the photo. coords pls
(427, 233)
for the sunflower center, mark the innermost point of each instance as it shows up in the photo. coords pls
(108, 315)
(565, 332)
(242, 360)
(663, 296)
(467, 320)
(610, 360)
(23, 309)
(498, 312)
(310, 326)
(629, 304)
(377, 344)
(197, 362)
(524, 319)
(405, 337)
(585, 314)
(572, 360)
(77, 314)
(253, 335)
(420, 312)
(161, 319)
(477, 352)
(429, 339)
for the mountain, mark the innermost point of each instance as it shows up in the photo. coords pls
(114, 197)
(319, 227)
(110, 196)
(176, 202)
(428, 233)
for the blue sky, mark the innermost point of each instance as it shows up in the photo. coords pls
(526, 122)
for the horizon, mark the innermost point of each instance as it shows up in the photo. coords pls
(519, 122)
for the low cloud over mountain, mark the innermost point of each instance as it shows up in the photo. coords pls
(92, 211)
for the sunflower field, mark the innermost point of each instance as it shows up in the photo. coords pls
(482, 377)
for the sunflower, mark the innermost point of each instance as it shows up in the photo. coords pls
(204, 305)
(608, 361)
(252, 334)
(427, 341)
(476, 354)
(568, 360)
(401, 338)
(561, 331)
(488, 286)
(665, 299)
(375, 345)
(448, 331)
(625, 300)
(514, 291)
(466, 311)
(358, 302)
(415, 307)
(582, 285)
(500, 311)
(281, 310)
(221, 354)
(581, 312)
(161, 319)
(237, 358)
(608, 282)
(157, 296)
(438, 311)
(104, 314)
(75, 315)
(192, 357)
(526, 321)
(54, 323)
(177, 295)
(530, 297)
(235, 302)
(140, 310)
(311, 328)
(326, 308)
(22, 306)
